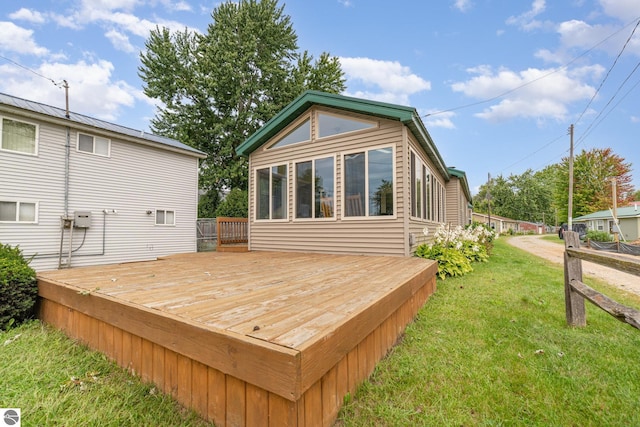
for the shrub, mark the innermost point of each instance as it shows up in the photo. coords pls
(235, 205)
(599, 236)
(456, 248)
(18, 287)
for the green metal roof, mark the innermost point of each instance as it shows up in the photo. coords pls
(462, 176)
(625, 212)
(406, 115)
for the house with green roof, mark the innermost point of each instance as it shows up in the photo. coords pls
(336, 174)
(628, 219)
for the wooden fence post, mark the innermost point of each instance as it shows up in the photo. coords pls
(574, 302)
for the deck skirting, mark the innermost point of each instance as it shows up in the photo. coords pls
(229, 378)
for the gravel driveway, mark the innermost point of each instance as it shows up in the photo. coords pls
(554, 252)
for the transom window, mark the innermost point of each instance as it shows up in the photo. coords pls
(18, 136)
(11, 211)
(315, 188)
(301, 133)
(271, 197)
(165, 217)
(368, 183)
(93, 144)
(329, 125)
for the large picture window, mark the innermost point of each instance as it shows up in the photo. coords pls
(20, 137)
(11, 211)
(271, 198)
(315, 188)
(369, 185)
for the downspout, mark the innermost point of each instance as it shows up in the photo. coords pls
(67, 152)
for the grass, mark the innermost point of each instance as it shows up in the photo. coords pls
(57, 382)
(492, 348)
(553, 238)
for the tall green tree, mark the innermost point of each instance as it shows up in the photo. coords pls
(526, 197)
(218, 88)
(592, 174)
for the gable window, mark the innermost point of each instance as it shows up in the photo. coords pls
(93, 144)
(165, 217)
(271, 197)
(420, 189)
(11, 211)
(368, 183)
(20, 137)
(315, 188)
(329, 125)
(300, 133)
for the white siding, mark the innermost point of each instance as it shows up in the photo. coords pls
(134, 179)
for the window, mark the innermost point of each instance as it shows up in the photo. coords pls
(93, 144)
(368, 183)
(271, 198)
(165, 217)
(329, 124)
(18, 212)
(18, 136)
(315, 188)
(301, 133)
(420, 189)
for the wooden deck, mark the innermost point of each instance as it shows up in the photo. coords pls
(257, 338)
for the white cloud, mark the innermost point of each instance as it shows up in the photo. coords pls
(387, 81)
(526, 21)
(536, 93)
(462, 5)
(19, 40)
(346, 3)
(120, 41)
(28, 15)
(621, 9)
(92, 90)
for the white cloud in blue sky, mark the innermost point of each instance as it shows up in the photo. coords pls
(453, 56)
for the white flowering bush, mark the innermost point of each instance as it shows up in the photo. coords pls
(455, 248)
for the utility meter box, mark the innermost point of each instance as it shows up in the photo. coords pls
(82, 219)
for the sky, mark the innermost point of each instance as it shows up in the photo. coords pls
(497, 82)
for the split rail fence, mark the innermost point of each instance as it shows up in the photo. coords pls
(576, 291)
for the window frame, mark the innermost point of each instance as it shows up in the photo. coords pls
(367, 216)
(164, 224)
(256, 206)
(18, 203)
(94, 137)
(289, 129)
(375, 124)
(313, 189)
(36, 141)
(418, 167)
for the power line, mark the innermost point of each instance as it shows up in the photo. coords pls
(32, 71)
(538, 78)
(609, 71)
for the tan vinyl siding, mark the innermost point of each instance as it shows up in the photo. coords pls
(134, 179)
(374, 235)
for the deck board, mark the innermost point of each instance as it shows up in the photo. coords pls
(241, 336)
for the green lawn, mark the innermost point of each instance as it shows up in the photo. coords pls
(489, 349)
(493, 349)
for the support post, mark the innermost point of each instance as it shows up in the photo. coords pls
(574, 302)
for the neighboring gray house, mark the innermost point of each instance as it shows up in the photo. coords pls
(337, 174)
(80, 191)
(628, 218)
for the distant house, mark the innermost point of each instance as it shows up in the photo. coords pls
(499, 224)
(337, 174)
(628, 218)
(80, 191)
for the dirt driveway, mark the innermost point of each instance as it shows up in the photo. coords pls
(554, 252)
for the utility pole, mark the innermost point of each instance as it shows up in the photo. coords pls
(614, 196)
(489, 199)
(570, 207)
(66, 97)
